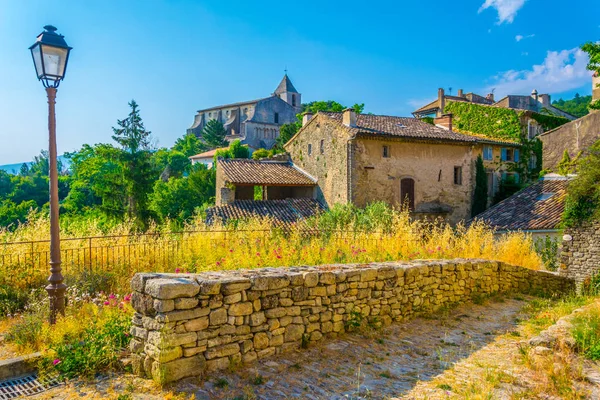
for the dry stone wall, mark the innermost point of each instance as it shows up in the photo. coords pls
(580, 255)
(190, 324)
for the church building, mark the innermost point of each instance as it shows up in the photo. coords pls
(256, 122)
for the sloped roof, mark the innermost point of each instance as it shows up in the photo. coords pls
(241, 103)
(285, 86)
(281, 211)
(410, 128)
(268, 173)
(208, 154)
(537, 207)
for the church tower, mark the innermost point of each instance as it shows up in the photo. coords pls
(288, 93)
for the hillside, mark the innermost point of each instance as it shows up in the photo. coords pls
(577, 106)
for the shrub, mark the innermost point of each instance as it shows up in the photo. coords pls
(586, 332)
(547, 249)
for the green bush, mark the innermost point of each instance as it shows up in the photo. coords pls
(586, 332)
(547, 249)
(12, 300)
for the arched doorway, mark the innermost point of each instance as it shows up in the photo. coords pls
(407, 192)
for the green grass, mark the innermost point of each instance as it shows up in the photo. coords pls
(586, 332)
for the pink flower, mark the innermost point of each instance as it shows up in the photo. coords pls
(107, 303)
(127, 297)
(231, 250)
(56, 361)
(218, 262)
(439, 248)
(177, 270)
(112, 296)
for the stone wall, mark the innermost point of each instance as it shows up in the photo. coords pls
(580, 257)
(576, 137)
(189, 324)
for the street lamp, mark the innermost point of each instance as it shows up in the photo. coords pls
(50, 55)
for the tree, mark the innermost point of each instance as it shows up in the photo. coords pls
(177, 199)
(261, 153)
(189, 145)
(480, 197)
(583, 192)
(235, 150)
(565, 166)
(593, 50)
(135, 155)
(577, 106)
(214, 134)
(286, 132)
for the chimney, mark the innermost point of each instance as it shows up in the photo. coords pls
(306, 117)
(441, 102)
(445, 121)
(545, 98)
(534, 94)
(349, 117)
(460, 93)
(490, 97)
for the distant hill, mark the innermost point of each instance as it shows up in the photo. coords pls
(14, 168)
(577, 106)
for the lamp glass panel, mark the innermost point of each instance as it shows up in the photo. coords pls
(37, 61)
(55, 59)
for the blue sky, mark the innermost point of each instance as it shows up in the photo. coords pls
(174, 57)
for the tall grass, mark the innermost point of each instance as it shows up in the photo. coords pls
(345, 234)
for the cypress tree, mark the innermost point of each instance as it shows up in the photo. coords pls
(480, 196)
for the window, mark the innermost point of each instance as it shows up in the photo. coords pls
(531, 130)
(533, 162)
(322, 147)
(491, 183)
(488, 153)
(309, 149)
(510, 155)
(458, 175)
(510, 177)
(294, 100)
(386, 151)
(276, 117)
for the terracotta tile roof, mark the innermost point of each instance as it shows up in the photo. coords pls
(281, 211)
(410, 128)
(208, 154)
(253, 172)
(537, 207)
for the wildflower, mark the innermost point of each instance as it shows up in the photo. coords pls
(56, 361)
(258, 254)
(439, 248)
(127, 297)
(107, 303)
(177, 270)
(218, 263)
(112, 296)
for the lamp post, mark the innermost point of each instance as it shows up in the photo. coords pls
(50, 55)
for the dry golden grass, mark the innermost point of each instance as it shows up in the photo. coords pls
(251, 244)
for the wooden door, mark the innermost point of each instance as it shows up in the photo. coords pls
(407, 192)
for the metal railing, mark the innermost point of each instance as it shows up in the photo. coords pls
(126, 254)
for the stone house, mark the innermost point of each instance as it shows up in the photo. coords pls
(575, 137)
(256, 122)
(538, 103)
(364, 158)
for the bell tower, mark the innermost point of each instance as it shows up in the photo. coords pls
(288, 93)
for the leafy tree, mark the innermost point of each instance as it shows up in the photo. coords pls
(171, 163)
(286, 132)
(593, 50)
(577, 106)
(135, 155)
(6, 184)
(583, 193)
(177, 199)
(480, 194)
(261, 153)
(214, 134)
(189, 145)
(235, 150)
(24, 170)
(12, 213)
(97, 181)
(565, 166)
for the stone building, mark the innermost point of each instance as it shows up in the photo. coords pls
(539, 103)
(363, 158)
(575, 137)
(255, 122)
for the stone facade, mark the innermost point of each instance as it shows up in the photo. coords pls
(580, 257)
(190, 324)
(575, 137)
(354, 169)
(256, 123)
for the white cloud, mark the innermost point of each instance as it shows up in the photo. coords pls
(507, 9)
(518, 38)
(560, 71)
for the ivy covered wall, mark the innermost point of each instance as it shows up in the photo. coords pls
(493, 122)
